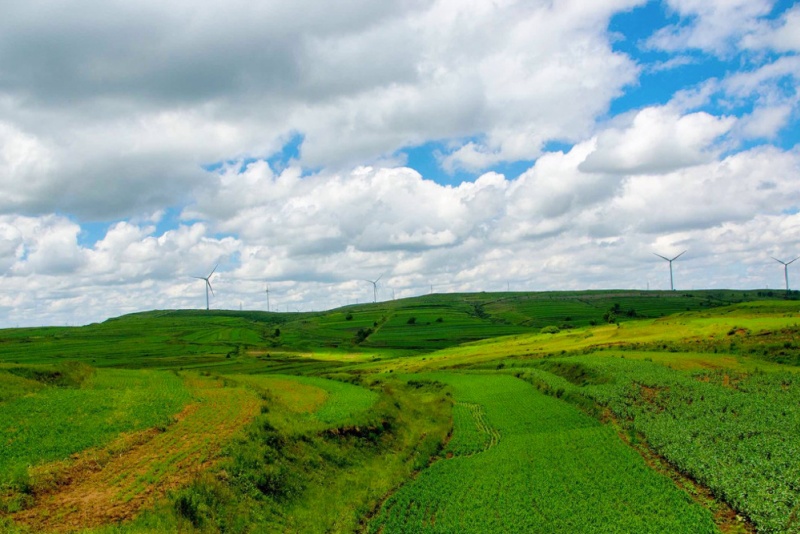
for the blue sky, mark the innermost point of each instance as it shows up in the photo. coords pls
(473, 146)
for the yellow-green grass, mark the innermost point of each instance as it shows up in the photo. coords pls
(681, 327)
(297, 398)
(700, 361)
(329, 402)
(304, 479)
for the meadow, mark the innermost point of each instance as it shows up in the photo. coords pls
(621, 411)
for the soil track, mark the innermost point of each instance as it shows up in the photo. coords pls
(112, 484)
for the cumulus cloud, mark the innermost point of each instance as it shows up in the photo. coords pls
(656, 140)
(735, 189)
(554, 227)
(112, 110)
(127, 114)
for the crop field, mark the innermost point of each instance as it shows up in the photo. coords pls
(615, 411)
(535, 464)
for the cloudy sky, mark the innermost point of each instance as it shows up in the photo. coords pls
(453, 145)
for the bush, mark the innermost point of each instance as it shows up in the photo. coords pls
(362, 335)
(412, 320)
(552, 329)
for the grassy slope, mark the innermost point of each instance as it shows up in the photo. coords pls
(323, 343)
(223, 339)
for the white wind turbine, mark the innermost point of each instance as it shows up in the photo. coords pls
(374, 288)
(208, 283)
(671, 285)
(786, 265)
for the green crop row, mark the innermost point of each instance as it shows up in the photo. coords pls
(554, 469)
(737, 434)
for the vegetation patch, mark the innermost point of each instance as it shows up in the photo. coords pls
(112, 484)
(581, 472)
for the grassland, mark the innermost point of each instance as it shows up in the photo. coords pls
(530, 412)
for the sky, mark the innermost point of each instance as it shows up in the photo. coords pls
(308, 147)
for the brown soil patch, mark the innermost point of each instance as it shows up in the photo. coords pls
(114, 483)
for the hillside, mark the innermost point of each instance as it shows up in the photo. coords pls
(200, 338)
(420, 415)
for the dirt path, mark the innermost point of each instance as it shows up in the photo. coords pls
(114, 483)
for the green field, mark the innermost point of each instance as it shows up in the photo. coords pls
(548, 468)
(616, 411)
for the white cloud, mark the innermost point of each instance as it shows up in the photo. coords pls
(110, 113)
(715, 26)
(656, 140)
(735, 189)
(783, 35)
(765, 122)
(554, 227)
(111, 110)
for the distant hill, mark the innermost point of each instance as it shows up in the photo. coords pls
(200, 338)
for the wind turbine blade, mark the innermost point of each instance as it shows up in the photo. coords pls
(381, 276)
(209, 287)
(679, 255)
(212, 270)
(776, 259)
(794, 260)
(662, 257)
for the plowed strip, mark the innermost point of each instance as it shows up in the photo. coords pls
(91, 492)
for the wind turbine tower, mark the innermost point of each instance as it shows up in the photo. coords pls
(374, 288)
(267, 297)
(671, 284)
(786, 265)
(208, 283)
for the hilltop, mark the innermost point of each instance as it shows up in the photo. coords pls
(212, 338)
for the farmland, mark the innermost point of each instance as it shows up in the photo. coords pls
(533, 412)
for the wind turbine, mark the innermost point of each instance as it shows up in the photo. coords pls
(786, 269)
(208, 284)
(671, 285)
(374, 288)
(267, 297)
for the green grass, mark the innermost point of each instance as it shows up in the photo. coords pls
(53, 422)
(338, 432)
(303, 478)
(553, 469)
(218, 338)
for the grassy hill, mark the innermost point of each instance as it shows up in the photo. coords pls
(437, 412)
(200, 338)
